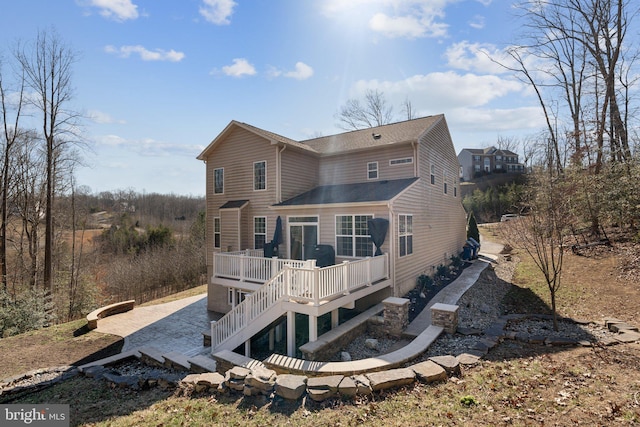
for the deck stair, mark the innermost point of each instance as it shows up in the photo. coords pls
(297, 289)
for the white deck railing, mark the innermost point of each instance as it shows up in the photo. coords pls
(304, 284)
(250, 265)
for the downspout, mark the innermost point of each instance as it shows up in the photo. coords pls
(392, 247)
(279, 174)
(416, 162)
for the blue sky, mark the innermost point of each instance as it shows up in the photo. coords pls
(159, 79)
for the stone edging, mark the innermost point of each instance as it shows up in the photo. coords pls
(108, 310)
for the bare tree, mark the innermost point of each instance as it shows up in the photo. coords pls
(542, 231)
(373, 112)
(47, 64)
(407, 109)
(11, 134)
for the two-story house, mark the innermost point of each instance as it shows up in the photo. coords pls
(325, 196)
(475, 162)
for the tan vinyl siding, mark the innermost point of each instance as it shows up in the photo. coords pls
(237, 154)
(299, 173)
(349, 168)
(327, 223)
(439, 222)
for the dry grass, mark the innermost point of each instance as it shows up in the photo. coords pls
(516, 385)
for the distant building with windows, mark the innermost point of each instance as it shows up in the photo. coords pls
(478, 162)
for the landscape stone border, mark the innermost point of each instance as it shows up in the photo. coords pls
(255, 379)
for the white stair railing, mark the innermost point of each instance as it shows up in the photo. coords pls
(305, 283)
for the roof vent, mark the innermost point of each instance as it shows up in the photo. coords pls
(376, 135)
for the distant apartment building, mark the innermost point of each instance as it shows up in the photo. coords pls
(477, 162)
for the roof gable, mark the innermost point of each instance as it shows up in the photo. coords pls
(379, 136)
(268, 136)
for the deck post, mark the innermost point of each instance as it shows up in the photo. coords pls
(313, 328)
(279, 332)
(272, 344)
(291, 334)
(335, 318)
(242, 267)
(345, 277)
(247, 348)
(368, 271)
(316, 286)
(274, 266)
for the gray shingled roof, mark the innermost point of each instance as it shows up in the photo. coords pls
(373, 191)
(234, 204)
(379, 136)
(409, 130)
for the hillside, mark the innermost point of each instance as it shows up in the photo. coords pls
(516, 384)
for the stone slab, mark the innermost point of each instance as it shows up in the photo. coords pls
(176, 360)
(429, 371)
(448, 362)
(202, 364)
(391, 378)
(290, 387)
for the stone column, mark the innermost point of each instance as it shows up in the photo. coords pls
(446, 316)
(396, 315)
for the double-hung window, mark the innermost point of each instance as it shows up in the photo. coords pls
(218, 181)
(260, 175)
(433, 174)
(352, 236)
(372, 170)
(216, 232)
(259, 232)
(405, 234)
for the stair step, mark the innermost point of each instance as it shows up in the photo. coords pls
(176, 360)
(201, 364)
(151, 356)
(111, 360)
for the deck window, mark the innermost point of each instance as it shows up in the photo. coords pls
(260, 175)
(405, 233)
(216, 232)
(259, 232)
(372, 170)
(218, 181)
(352, 236)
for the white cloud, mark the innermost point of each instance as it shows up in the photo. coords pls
(302, 72)
(102, 117)
(396, 18)
(485, 2)
(478, 57)
(145, 54)
(406, 26)
(118, 10)
(477, 22)
(148, 147)
(241, 67)
(217, 11)
(472, 103)
(444, 90)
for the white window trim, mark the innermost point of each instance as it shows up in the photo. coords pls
(400, 235)
(376, 170)
(214, 181)
(401, 161)
(219, 233)
(265, 176)
(353, 235)
(259, 234)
